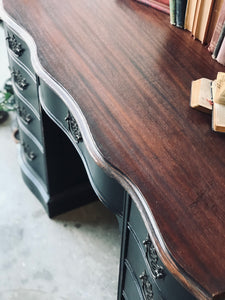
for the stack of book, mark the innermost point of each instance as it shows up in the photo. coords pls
(209, 96)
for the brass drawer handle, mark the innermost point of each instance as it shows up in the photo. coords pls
(30, 155)
(19, 79)
(14, 45)
(152, 257)
(24, 115)
(146, 286)
(73, 127)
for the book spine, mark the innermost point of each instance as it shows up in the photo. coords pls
(190, 14)
(213, 21)
(196, 15)
(217, 30)
(219, 42)
(173, 12)
(209, 11)
(180, 12)
(204, 16)
(221, 54)
(186, 19)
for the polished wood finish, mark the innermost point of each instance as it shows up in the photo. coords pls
(130, 73)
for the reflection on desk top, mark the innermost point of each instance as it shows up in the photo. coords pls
(129, 72)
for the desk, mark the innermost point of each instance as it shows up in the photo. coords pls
(104, 86)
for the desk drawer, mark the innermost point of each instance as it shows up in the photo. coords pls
(24, 84)
(131, 290)
(33, 153)
(17, 48)
(29, 118)
(136, 259)
(170, 288)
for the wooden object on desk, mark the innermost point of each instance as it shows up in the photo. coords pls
(127, 77)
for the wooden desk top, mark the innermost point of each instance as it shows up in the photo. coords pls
(129, 74)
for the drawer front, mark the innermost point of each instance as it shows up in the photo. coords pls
(17, 48)
(170, 288)
(24, 84)
(28, 118)
(142, 273)
(32, 153)
(131, 290)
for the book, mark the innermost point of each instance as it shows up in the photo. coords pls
(190, 13)
(180, 12)
(195, 21)
(203, 20)
(214, 17)
(218, 114)
(162, 5)
(219, 42)
(172, 12)
(202, 95)
(221, 54)
(218, 28)
(218, 117)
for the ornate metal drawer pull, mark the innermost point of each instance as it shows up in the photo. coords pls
(30, 155)
(146, 286)
(14, 45)
(152, 257)
(24, 115)
(73, 127)
(19, 80)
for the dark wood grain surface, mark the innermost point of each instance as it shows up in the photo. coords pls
(130, 72)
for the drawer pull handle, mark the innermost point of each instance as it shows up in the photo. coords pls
(24, 115)
(14, 45)
(73, 127)
(19, 80)
(146, 286)
(30, 155)
(152, 257)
